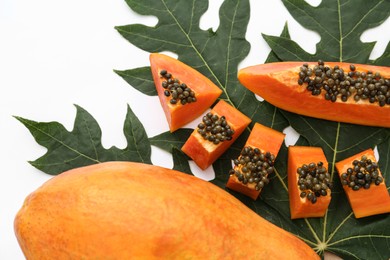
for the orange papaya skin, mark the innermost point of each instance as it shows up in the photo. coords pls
(203, 152)
(206, 91)
(125, 210)
(277, 83)
(267, 140)
(302, 207)
(364, 203)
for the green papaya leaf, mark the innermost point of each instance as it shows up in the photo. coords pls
(286, 49)
(384, 162)
(272, 57)
(384, 60)
(340, 24)
(180, 161)
(140, 78)
(82, 146)
(334, 137)
(168, 140)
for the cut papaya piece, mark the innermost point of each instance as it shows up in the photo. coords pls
(184, 92)
(342, 92)
(215, 134)
(364, 184)
(309, 183)
(256, 160)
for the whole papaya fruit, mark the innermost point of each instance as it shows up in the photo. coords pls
(124, 210)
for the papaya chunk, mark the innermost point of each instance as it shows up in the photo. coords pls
(303, 205)
(262, 147)
(365, 201)
(202, 92)
(352, 95)
(126, 210)
(203, 151)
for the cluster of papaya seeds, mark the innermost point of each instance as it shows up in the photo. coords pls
(253, 166)
(314, 181)
(215, 128)
(362, 174)
(178, 91)
(339, 84)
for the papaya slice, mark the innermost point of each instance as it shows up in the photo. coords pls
(184, 92)
(202, 147)
(364, 185)
(342, 92)
(255, 163)
(309, 182)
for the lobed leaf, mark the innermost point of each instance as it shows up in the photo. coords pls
(340, 23)
(82, 146)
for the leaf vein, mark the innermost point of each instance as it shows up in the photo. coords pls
(192, 44)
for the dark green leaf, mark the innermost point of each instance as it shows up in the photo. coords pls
(140, 78)
(384, 162)
(335, 138)
(168, 140)
(340, 24)
(82, 146)
(384, 60)
(286, 49)
(138, 146)
(272, 55)
(180, 161)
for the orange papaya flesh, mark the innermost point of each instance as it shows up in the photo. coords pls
(125, 210)
(206, 92)
(302, 207)
(278, 84)
(204, 152)
(365, 202)
(266, 140)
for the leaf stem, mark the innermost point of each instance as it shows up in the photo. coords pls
(223, 87)
(192, 44)
(337, 228)
(340, 31)
(26, 122)
(313, 231)
(358, 237)
(280, 179)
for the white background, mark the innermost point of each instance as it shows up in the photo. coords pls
(54, 54)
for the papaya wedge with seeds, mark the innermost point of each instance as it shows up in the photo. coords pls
(125, 210)
(267, 140)
(205, 91)
(302, 207)
(278, 84)
(365, 202)
(203, 151)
